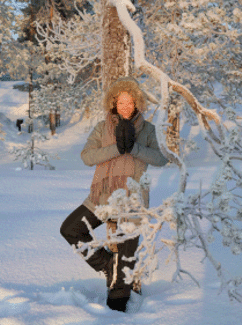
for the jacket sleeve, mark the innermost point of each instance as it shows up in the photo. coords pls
(150, 154)
(93, 153)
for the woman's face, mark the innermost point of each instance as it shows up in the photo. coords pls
(125, 105)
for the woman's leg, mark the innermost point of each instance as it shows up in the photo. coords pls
(126, 249)
(74, 230)
(119, 291)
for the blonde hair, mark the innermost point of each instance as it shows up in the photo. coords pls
(124, 84)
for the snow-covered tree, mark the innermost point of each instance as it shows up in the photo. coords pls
(7, 29)
(196, 44)
(47, 69)
(30, 60)
(191, 49)
(200, 46)
(58, 46)
(30, 155)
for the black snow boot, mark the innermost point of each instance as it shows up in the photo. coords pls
(119, 304)
(118, 296)
(118, 290)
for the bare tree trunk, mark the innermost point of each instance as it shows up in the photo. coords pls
(173, 132)
(47, 60)
(57, 118)
(52, 122)
(30, 128)
(52, 117)
(116, 47)
(116, 57)
(32, 154)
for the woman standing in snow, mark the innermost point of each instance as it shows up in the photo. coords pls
(121, 146)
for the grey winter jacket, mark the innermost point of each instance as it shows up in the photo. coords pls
(145, 150)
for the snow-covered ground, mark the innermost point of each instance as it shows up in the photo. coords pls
(42, 281)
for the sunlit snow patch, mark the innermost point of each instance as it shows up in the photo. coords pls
(97, 309)
(5, 293)
(181, 300)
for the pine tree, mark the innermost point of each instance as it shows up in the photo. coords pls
(32, 56)
(7, 29)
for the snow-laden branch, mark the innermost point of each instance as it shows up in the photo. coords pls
(162, 118)
(145, 66)
(120, 206)
(178, 209)
(167, 85)
(70, 41)
(220, 145)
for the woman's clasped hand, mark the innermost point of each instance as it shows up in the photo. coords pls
(125, 136)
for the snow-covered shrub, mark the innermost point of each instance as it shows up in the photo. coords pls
(31, 155)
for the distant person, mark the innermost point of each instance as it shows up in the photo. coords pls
(18, 124)
(121, 146)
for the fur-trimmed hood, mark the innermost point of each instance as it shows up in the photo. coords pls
(125, 84)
